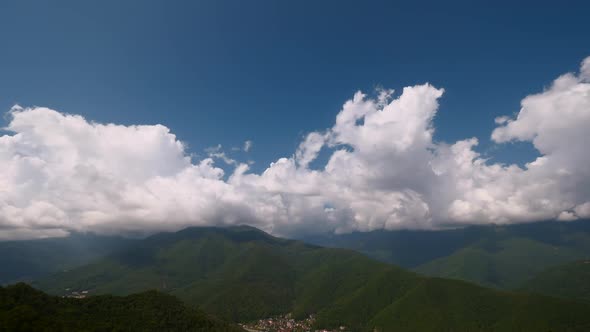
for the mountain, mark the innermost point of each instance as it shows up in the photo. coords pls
(23, 308)
(507, 265)
(32, 259)
(241, 274)
(495, 256)
(571, 281)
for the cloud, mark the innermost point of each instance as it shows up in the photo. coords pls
(216, 152)
(308, 149)
(63, 173)
(247, 145)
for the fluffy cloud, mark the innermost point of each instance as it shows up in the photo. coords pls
(62, 173)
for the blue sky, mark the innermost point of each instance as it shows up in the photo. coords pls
(222, 72)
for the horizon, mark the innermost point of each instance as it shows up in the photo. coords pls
(305, 237)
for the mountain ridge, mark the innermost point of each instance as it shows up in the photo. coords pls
(28, 260)
(496, 256)
(245, 274)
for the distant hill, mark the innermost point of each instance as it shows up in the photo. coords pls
(23, 308)
(32, 259)
(571, 281)
(510, 263)
(496, 256)
(241, 274)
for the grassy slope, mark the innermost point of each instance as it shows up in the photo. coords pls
(242, 274)
(570, 281)
(23, 308)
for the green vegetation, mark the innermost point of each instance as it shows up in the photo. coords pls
(570, 281)
(510, 263)
(495, 256)
(23, 308)
(32, 259)
(442, 305)
(241, 274)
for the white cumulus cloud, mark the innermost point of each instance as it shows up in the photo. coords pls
(63, 173)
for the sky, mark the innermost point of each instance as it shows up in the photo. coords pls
(156, 115)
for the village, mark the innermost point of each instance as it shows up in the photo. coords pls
(286, 323)
(76, 294)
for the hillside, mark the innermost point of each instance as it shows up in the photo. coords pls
(440, 305)
(241, 274)
(571, 281)
(32, 259)
(508, 265)
(494, 256)
(23, 308)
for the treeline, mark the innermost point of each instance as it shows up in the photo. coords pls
(23, 308)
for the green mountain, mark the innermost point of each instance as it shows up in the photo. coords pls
(32, 259)
(23, 308)
(495, 256)
(571, 281)
(508, 265)
(242, 274)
